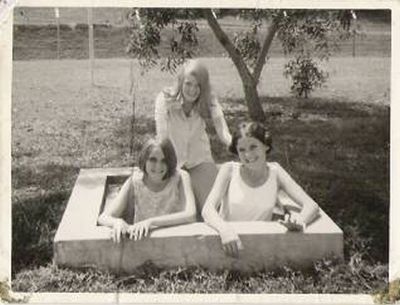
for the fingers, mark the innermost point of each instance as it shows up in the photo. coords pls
(113, 234)
(116, 234)
(131, 232)
(232, 248)
(138, 231)
(292, 224)
(146, 231)
(239, 245)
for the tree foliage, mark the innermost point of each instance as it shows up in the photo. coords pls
(306, 35)
(305, 75)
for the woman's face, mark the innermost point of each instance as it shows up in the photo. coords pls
(251, 151)
(190, 89)
(156, 166)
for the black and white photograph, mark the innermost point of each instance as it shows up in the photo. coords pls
(240, 150)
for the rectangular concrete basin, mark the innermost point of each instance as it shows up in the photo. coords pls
(80, 242)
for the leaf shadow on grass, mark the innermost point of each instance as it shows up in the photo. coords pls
(39, 198)
(34, 223)
(340, 157)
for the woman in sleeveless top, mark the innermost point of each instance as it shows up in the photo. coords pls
(157, 195)
(248, 189)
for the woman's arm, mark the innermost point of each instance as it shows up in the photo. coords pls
(310, 208)
(160, 117)
(230, 240)
(220, 124)
(111, 216)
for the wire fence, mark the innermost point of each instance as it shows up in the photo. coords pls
(39, 34)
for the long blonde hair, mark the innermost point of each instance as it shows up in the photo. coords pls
(205, 100)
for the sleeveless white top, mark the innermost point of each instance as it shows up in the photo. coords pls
(148, 203)
(245, 203)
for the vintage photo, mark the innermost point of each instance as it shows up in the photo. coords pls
(232, 150)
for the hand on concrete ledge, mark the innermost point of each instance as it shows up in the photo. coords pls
(139, 230)
(119, 228)
(293, 223)
(231, 242)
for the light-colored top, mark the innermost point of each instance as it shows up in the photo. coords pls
(147, 203)
(187, 133)
(245, 203)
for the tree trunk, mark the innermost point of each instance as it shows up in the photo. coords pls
(253, 101)
(249, 81)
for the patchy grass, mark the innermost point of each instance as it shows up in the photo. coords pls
(326, 276)
(335, 145)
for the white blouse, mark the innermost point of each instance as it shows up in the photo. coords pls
(187, 133)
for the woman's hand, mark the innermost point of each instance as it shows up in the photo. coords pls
(293, 222)
(119, 228)
(139, 230)
(231, 242)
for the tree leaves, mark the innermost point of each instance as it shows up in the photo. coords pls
(148, 25)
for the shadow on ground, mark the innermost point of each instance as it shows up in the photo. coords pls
(339, 153)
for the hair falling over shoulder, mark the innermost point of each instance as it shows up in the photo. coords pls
(198, 70)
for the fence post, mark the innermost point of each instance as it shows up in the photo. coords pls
(354, 16)
(57, 13)
(91, 44)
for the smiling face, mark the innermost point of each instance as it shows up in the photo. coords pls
(251, 151)
(156, 166)
(190, 89)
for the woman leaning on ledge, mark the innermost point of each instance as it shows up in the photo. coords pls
(157, 195)
(248, 190)
(180, 114)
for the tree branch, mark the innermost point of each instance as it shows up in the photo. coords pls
(264, 51)
(227, 44)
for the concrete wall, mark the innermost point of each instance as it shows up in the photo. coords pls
(80, 242)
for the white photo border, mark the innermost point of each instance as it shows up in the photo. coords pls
(6, 40)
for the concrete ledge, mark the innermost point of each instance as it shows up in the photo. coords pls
(79, 242)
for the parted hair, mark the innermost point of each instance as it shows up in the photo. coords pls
(199, 71)
(251, 129)
(169, 154)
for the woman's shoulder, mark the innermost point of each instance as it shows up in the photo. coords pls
(137, 176)
(276, 167)
(167, 95)
(228, 167)
(179, 175)
(273, 164)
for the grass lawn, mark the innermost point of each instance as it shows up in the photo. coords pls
(336, 145)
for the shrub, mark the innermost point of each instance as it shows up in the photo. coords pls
(305, 75)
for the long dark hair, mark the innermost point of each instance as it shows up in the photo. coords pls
(169, 154)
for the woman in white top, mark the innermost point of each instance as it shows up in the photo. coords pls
(157, 195)
(180, 114)
(248, 189)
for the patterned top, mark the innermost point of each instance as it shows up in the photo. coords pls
(245, 203)
(187, 133)
(147, 203)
